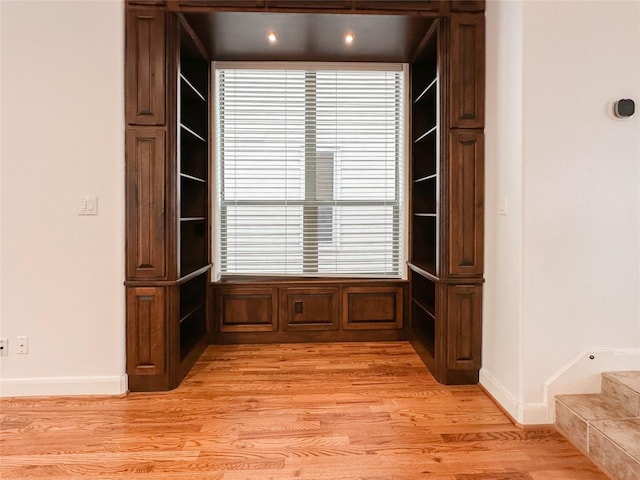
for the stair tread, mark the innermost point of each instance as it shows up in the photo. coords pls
(595, 406)
(624, 433)
(631, 379)
(606, 426)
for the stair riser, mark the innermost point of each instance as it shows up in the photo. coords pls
(622, 394)
(572, 426)
(611, 458)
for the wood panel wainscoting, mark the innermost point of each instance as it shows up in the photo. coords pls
(308, 310)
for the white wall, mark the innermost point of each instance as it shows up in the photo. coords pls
(568, 255)
(62, 137)
(503, 173)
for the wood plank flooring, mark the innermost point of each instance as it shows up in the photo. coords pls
(365, 411)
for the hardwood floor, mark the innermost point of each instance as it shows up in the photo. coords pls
(340, 411)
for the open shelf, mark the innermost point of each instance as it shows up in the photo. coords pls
(428, 92)
(425, 203)
(190, 91)
(193, 295)
(193, 175)
(194, 156)
(429, 131)
(193, 201)
(193, 246)
(424, 252)
(426, 178)
(425, 197)
(192, 330)
(193, 134)
(425, 155)
(423, 326)
(423, 292)
(192, 323)
(427, 270)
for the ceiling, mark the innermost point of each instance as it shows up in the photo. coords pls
(242, 36)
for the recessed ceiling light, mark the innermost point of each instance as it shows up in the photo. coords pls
(349, 38)
(272, 37)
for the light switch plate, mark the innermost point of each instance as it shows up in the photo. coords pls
(88, 205)
(502, 208)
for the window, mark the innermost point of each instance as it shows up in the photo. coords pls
(309, 164)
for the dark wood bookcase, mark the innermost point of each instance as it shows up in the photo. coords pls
(193, 194)
(447, 198)
(173, 307)
(168, 198)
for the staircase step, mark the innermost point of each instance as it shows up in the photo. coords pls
(624, 387)
(615, 445)
(575, 412)
(606, 426)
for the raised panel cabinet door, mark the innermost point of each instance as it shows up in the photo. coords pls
(145, 67)
(372, 308)
(464, 326)
(145, 203)
(146, 331)
(247, 309)
(466, 203)
(467, 71)
(307, 309)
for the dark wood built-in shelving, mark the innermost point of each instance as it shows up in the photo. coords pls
(173, 306)
(446, 200)
(169, 189)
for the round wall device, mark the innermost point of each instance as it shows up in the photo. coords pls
(624, 108)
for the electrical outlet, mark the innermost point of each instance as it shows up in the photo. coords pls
(23, 345)
(88, 205)
(4, 346)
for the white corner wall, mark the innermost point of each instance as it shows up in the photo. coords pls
(563, 270)
(62, 136)
(502, 318)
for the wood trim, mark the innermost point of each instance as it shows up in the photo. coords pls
(464, 327)
(168, 283)
(146, 331)
(325, 300)
(465, 230)
(147, 3)
(316, 336)
(467, 71)
(145, 203)
(397, 7)
(467, 5)
(145, 66)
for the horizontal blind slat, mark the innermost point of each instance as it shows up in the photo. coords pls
(310, 171)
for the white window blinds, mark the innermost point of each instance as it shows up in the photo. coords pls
(309, 171)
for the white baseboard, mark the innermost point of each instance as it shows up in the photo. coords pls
(582, 374)
(500, 394)
(49, 386)
(522, 413)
